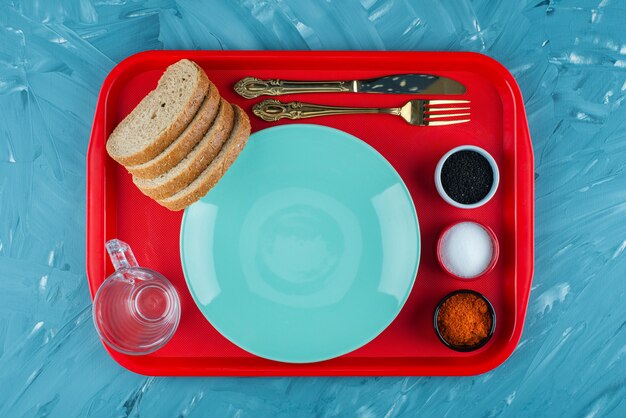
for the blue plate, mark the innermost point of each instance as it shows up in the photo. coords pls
(306, 249)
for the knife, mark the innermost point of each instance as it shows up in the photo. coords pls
(251, 87)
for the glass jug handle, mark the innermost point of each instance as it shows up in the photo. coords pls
(121, 255)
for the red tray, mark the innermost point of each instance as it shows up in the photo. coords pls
(409, 346)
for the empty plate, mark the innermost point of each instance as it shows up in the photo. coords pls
(306, 249)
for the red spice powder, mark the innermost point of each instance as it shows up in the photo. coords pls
(464, 320)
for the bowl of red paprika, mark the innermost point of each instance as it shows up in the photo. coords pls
(465, 320)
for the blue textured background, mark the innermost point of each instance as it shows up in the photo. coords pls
(569, 57)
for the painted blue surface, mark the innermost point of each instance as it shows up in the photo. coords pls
(570, 60)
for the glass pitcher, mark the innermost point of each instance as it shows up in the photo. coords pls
(136, 310)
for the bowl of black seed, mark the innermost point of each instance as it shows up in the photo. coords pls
(467, 177)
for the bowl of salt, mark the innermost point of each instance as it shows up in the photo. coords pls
(467, 250)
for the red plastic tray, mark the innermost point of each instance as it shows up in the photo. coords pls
(409, 346)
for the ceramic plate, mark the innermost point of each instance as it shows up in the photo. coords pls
(306, 249)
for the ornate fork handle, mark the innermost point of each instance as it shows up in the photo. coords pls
(251, 87)
(272, 110)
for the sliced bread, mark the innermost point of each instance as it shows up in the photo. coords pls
(182, 145)
(195, 162)
(161, 116)
(214, 172)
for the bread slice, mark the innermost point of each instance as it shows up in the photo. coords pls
(195, 162)
(182, 145)
(161, 116)
(214, 172)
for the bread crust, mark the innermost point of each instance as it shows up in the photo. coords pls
(185, 142)
(218, 167)
(194, 163)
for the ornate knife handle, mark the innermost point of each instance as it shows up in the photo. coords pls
(251, 87)
(271, 110)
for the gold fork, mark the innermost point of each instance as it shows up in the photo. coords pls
(416, 112)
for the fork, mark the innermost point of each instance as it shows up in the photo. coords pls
(417, 112)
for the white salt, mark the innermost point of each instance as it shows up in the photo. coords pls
(467, 249)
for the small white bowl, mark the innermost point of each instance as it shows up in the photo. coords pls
(494, 168)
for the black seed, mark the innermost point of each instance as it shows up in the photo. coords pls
(467, 177)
